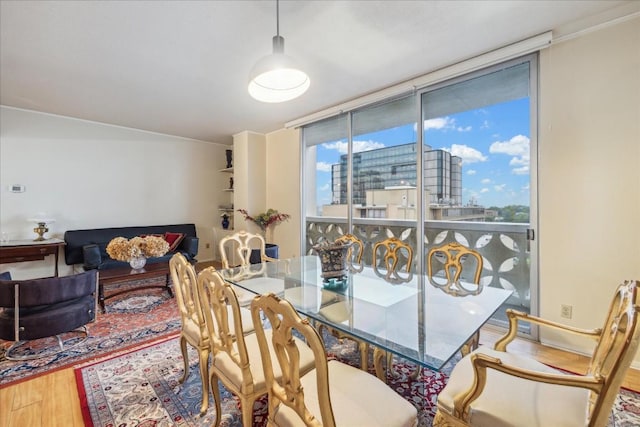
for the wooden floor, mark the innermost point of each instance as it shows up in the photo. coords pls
(52, 399)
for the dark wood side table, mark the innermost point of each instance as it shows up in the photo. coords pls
(29, 250)
(117, 275)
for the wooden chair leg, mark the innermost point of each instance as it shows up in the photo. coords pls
(185, 358)
(204, 374)
(215, 388)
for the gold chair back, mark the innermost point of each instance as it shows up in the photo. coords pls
(193, 330)
(395, 260)
(355, 252)
(287, 390)
(456, 258)
(242, 243)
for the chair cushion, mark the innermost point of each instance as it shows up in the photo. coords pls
(357, 398)
(191, 330)
(232, 372)
(509, 401)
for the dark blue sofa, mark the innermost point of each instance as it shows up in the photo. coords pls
(88, 247)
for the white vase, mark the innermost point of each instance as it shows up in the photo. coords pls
(138, 262)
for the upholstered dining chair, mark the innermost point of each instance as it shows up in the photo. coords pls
(333, 393)
(235, 357)
(355, 252)
(392, 259)
(242, 243)
(453, 259)
(194, 331)
(493, 387)
(445, 266)
(49, 307)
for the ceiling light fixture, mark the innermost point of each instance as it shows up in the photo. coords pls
(275, 77)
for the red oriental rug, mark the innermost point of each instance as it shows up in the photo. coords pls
(142, 388)
(131, 320)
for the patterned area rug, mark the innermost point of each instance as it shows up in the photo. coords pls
(142, 388)
(130, 320)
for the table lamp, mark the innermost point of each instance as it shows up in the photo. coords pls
(42, 222)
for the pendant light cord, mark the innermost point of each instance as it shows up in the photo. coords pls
(277, 17)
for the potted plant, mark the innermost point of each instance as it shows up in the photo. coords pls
(266, 221)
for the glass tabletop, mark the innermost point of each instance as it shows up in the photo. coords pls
(413, 320)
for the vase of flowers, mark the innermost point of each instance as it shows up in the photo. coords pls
(265, 220)
(135, 251)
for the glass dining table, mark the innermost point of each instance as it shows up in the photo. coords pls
(413, 320)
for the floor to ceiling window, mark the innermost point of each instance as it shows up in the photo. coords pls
(474, 185)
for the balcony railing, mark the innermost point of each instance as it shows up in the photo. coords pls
(503, 246)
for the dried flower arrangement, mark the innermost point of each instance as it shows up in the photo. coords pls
(265, 219)
(149, 246)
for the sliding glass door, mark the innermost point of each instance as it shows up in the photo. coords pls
(449, 162)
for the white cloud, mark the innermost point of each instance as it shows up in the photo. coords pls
(518, 147)
(439, 123)
(486, 181)
(468, 154)
(484, 190)
(325, 187)
(485, 125)
(445, 124)
(358, 146)
(471, 172)
(499, 188)
(323, 167)
(524, 170)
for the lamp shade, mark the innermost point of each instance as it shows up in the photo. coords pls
(276, 78)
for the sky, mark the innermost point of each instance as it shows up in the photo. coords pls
(492, 141)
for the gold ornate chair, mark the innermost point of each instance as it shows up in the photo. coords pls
(194, 331)
(235, 358)
(453, 259)
(492, 387)
(332, 394)
(355, 252)
(337, 311)
(242, 243)
(394, 263)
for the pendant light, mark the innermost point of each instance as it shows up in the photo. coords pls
(275, 77)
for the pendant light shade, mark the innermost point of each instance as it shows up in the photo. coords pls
(275, 77)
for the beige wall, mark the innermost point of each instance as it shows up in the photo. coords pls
(284, 187)
(589, 184)
(89, 175)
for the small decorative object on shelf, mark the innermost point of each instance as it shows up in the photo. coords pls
(231, 183)
(225, 221)
(137, 250)
(229, 154)
(333, 260)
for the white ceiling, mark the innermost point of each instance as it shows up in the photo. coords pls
(181, 67)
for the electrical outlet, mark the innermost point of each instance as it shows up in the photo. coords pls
(565, 311)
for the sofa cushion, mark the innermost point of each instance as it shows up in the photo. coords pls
(173, 239)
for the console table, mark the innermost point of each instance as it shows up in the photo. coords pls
(29, 250)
